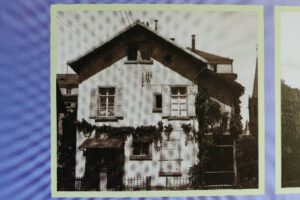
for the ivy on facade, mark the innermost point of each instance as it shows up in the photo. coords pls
(211, 125)
(149, 133)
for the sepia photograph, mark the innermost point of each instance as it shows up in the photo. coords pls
(290, 98)
(161, 100)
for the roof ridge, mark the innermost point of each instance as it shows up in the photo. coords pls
(216, 57)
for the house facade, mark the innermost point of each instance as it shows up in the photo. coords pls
(137, 79)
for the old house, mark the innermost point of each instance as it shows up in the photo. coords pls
(139, 78)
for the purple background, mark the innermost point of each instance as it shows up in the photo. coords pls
(25, 97)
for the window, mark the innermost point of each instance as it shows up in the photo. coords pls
(139, 53)
(74, 91)
(106, 102)
(157, 103)
(69, 91)
(178, 101)
(144, 52)
(141, 150)
(132, 52)
(63, 90)
(170, 158)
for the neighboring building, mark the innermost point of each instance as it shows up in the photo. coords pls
(60, 111)
(253, 107)
(66, 130)
(68, 84)
(65, 145)
(139, 78)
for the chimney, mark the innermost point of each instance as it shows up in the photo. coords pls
(173, 39)
(156, 21)
(193, 42)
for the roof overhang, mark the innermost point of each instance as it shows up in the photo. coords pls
(75, 63)
(96, 143)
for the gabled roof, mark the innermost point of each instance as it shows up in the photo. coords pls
(72, 63)
(200, 58)
(98, 143)
(211, 58)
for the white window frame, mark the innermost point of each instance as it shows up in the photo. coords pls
(178, 96)
(166, 159)
(106, 96)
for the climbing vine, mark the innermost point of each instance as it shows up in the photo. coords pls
(168, 129)
(236, 119)
(211, 125)
(153, 133)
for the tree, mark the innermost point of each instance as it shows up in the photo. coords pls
(290, 112)
(66, 154)
(211, 120)
(208, 113)
(247, 161)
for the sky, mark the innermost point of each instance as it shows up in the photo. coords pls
(228, 34)
(290, 48)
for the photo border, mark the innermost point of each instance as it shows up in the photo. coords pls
(164, 193)
(278, 10)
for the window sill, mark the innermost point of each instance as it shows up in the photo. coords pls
(176, 174)
(140, 157)
(107, 119)
(157, 110)
(146, 62)
(178, 118)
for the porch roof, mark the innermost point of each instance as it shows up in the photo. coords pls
(101, 143)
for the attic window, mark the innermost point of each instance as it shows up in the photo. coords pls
(132, 52)
(138, 54)
(144, 53)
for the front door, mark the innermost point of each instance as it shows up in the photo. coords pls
(103, 181)
(103, 176)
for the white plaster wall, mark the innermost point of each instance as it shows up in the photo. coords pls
(152, 168)
(224, 69)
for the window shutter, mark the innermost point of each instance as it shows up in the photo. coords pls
(119, 102)
(166, 96)
(94, 103)
(192, 90)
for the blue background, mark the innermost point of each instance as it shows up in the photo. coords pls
(25, 97)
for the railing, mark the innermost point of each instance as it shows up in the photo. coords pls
(177, 183)
(143, 183)
(79, 184)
